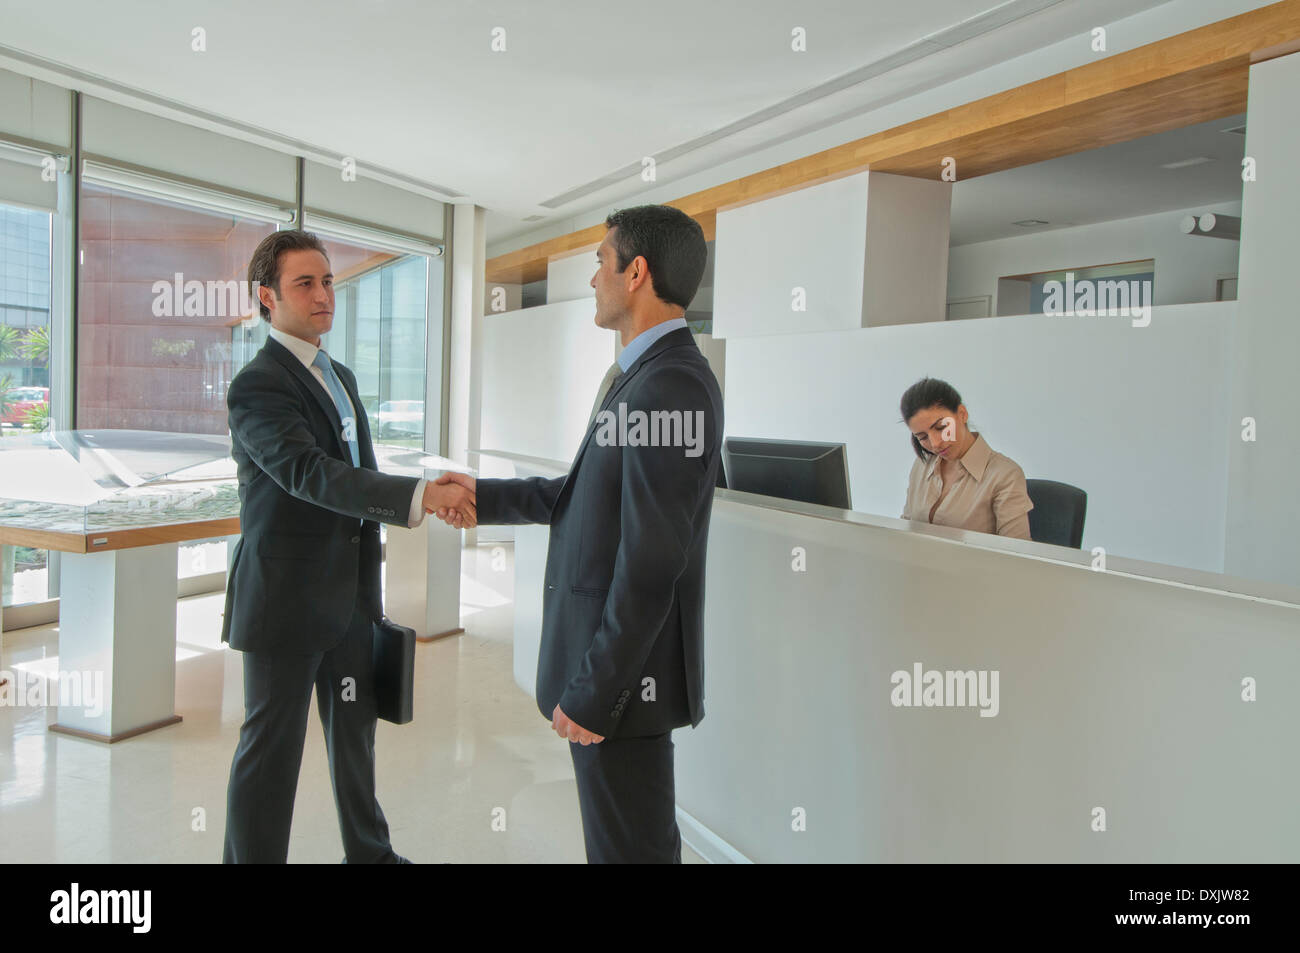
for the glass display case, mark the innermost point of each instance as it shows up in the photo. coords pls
(79, 482)
(118, 503)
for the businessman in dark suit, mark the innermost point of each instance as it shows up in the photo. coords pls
(304, 581)
(621, 662)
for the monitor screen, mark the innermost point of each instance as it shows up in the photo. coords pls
(789, 469)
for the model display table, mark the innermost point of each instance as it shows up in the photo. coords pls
(118, 503)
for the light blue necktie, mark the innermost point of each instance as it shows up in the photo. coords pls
(335, 387)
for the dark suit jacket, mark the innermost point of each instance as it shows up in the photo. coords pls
(624, 597)
(309, 519)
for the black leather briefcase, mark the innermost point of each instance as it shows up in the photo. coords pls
(394, 664)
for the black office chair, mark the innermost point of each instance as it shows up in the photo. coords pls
(1057, 516)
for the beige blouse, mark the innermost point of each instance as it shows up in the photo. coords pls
(987, 496)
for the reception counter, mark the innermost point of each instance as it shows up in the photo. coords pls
(1131, 712)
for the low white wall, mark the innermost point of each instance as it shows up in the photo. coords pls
(1133, 415)
(542, 368)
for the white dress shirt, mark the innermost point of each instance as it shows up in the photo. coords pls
(306, 352)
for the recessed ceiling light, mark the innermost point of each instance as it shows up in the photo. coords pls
(1031, 223)
(1184, 163)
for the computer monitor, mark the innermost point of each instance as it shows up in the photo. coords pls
(789, 469)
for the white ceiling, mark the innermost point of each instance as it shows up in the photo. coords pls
(583, 91)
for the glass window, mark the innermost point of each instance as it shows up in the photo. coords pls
(162, 287)
(380, 316)
(164, 315)
(25, 328)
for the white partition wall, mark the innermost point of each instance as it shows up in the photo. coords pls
(542, 368)
(1133, 415)
(1263, 535)
(906, 270)
(569, 278)
(864, 250)
(814, 239)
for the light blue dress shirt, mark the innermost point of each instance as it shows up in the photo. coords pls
(641, 343)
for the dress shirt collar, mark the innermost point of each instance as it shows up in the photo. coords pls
(641, 343)
(974, 461)
(304, 351)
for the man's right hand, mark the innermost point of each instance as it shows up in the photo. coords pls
(452, 501)
(457, 482)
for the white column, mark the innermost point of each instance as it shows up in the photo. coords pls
(1261, 540)
(468, 264)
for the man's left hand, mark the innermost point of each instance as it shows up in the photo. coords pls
(570, 730)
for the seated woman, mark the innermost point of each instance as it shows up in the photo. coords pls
(958, 479)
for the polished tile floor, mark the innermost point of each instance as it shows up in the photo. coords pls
(477, 745)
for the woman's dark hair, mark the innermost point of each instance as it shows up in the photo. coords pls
(926, 393)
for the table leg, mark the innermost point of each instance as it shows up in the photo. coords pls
(117, 643)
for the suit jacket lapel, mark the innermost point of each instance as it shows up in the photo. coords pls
(294, 367)
(678, 338)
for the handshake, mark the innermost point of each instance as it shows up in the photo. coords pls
(451, 499)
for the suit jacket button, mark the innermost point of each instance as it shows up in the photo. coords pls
(615, 713)
(356, 539)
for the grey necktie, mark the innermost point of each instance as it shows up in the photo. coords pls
(606, 385)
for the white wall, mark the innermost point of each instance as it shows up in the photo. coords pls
(569, 278)
(813, 238)
(906, 266)
(31, 109)
(1132, 415)
(542, 368)
(129, 135)
(1264, 510)
(1186, 265)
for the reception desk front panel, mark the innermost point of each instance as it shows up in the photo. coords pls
(1121, 733)
(1132, 713)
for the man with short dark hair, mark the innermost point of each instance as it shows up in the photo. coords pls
(621, 661)
(304, 584)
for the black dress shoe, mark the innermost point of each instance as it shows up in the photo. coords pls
(390, 858)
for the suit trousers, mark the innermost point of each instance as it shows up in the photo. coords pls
(628, 800)
(264, 774)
